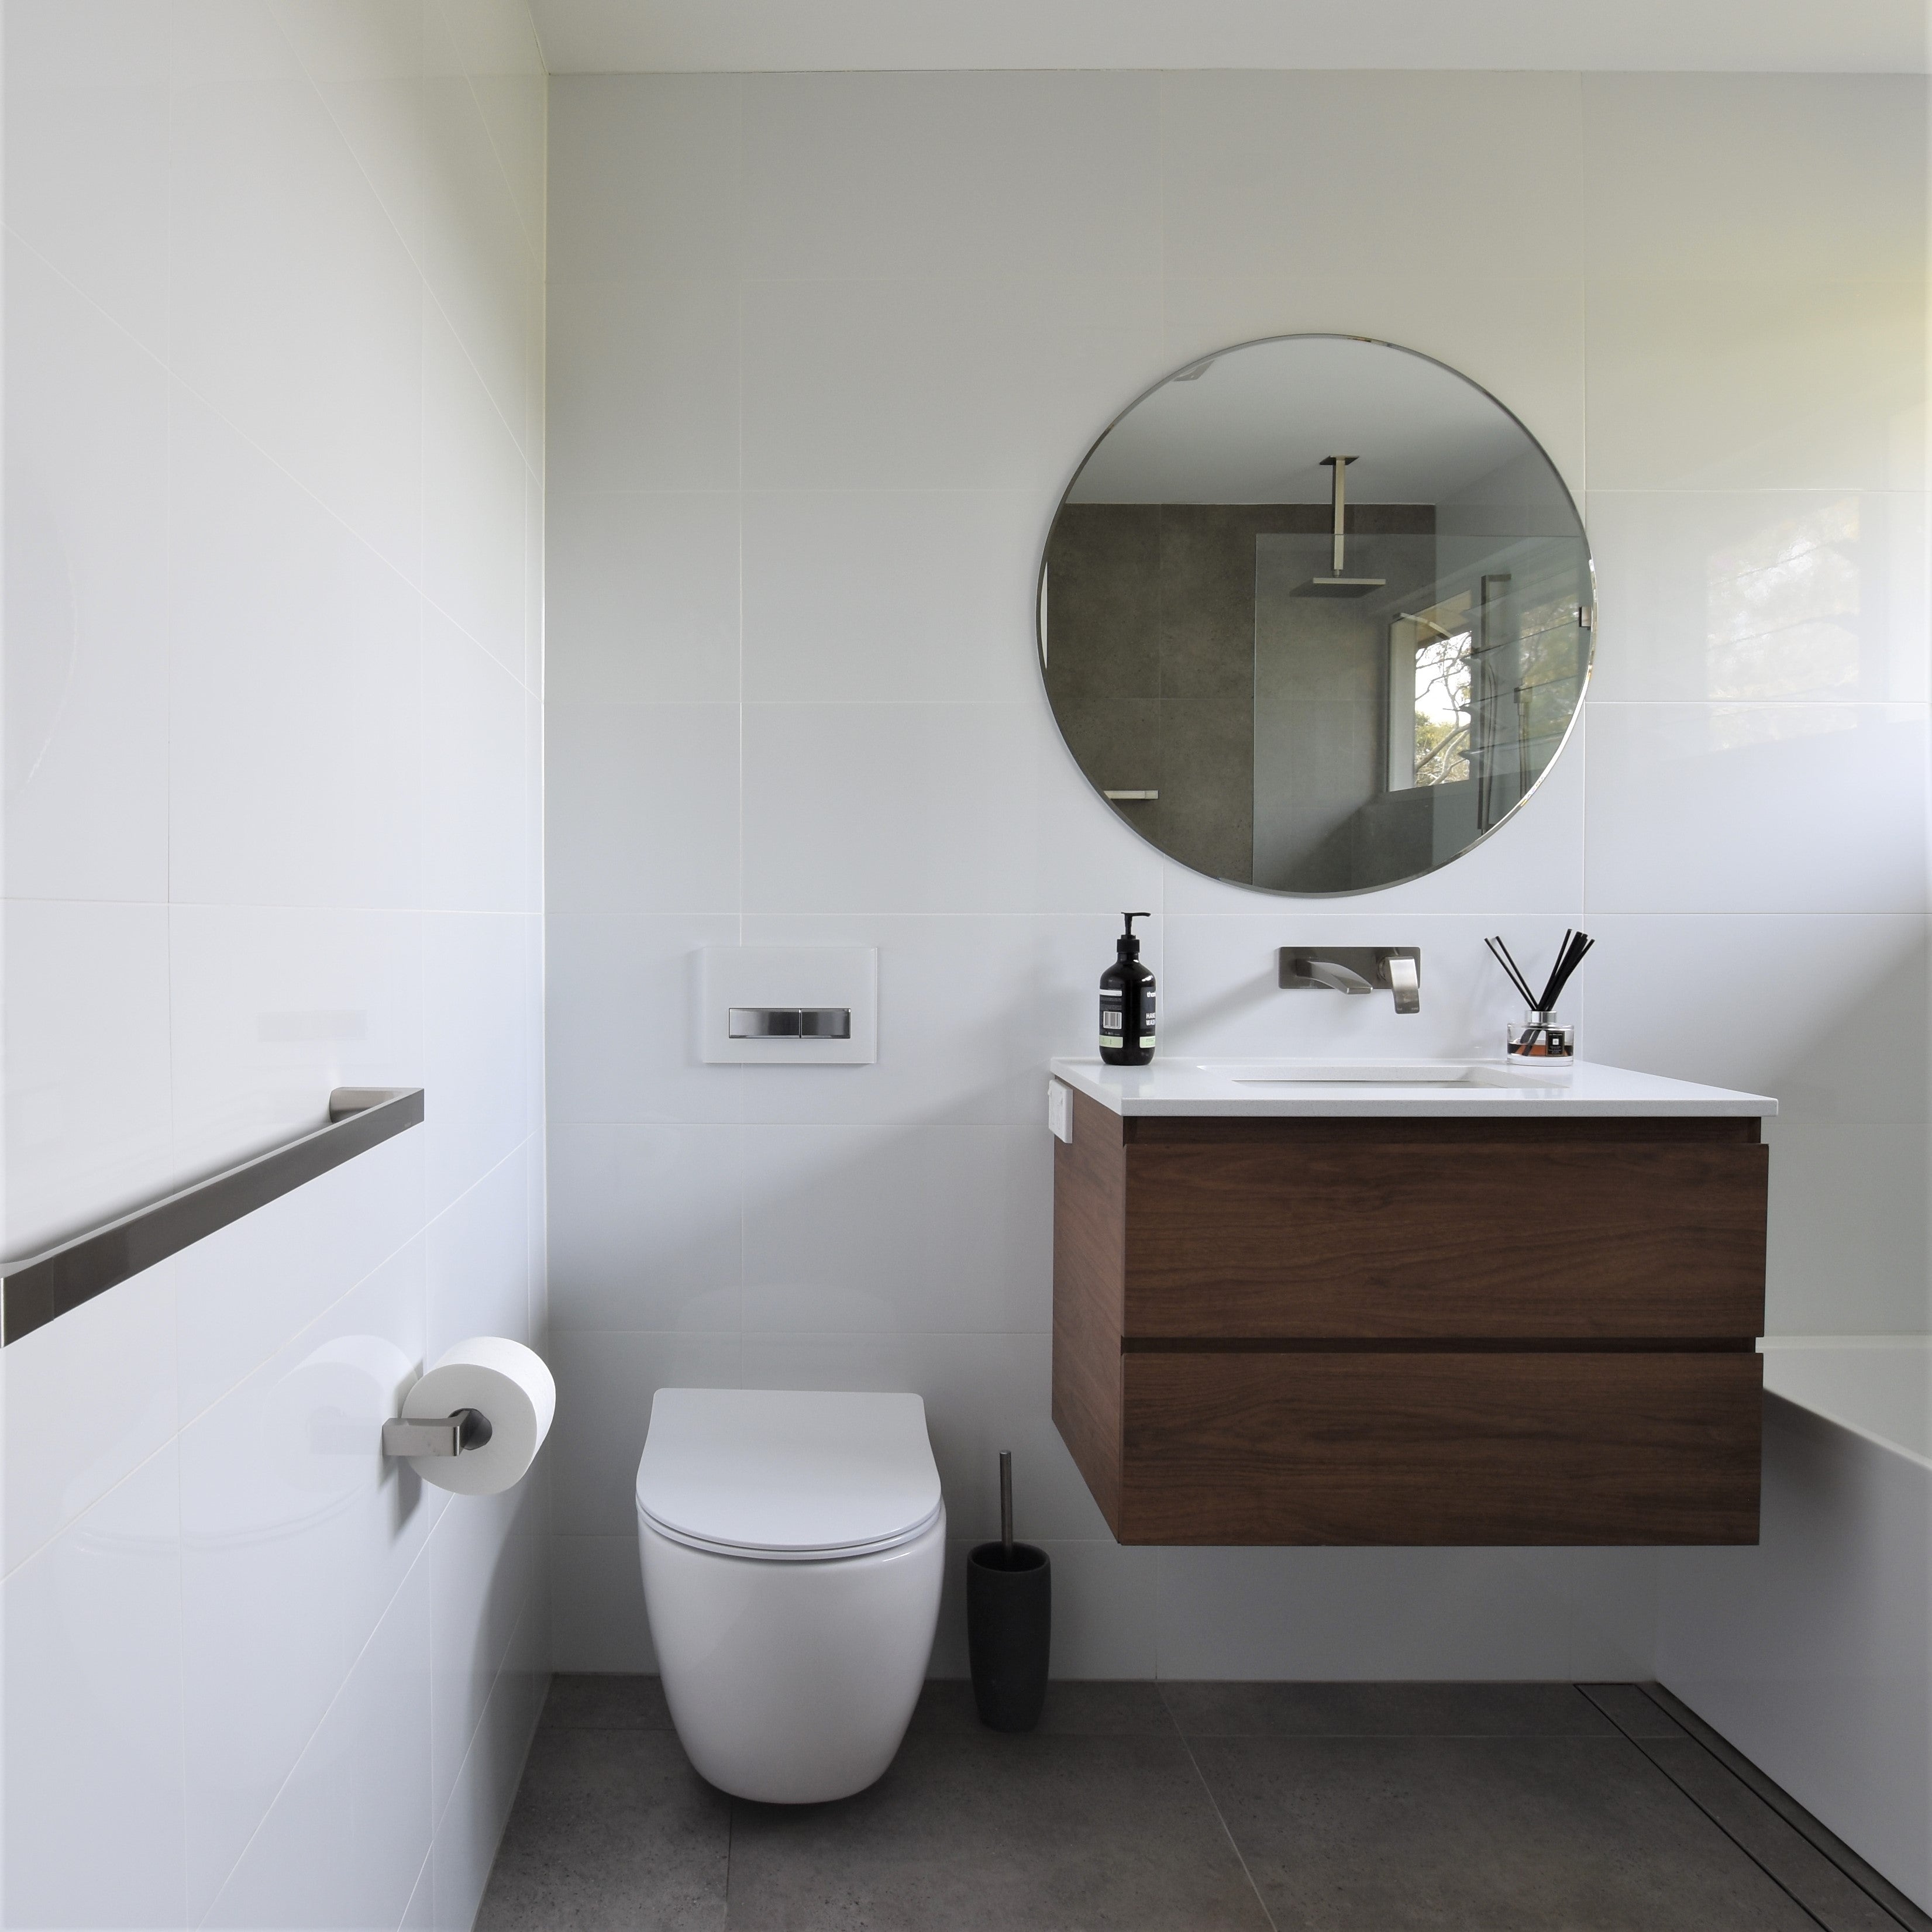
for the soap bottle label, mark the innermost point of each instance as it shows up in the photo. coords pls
(1147, 1017)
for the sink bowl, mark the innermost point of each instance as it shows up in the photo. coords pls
(1366, 1073)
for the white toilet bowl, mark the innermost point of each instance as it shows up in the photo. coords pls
(792, 1544)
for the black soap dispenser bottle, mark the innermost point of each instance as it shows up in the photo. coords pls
(1127, 1003)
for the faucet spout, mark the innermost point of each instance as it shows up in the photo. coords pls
(1333, 972)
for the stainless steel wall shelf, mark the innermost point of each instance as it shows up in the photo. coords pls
(41, 1287)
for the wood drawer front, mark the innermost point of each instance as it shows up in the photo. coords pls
(1429, 1447)
(1661, 1241)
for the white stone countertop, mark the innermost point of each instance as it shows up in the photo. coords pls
(1182, 1083)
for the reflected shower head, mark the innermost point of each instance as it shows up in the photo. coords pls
(1340, 587)
(1336, 584)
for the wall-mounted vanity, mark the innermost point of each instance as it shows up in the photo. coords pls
(1307, 1304)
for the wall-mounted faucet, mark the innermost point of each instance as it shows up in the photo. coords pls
(1355, 969)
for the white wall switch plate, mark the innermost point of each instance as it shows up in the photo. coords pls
(782, 1005)
(1060, 1111)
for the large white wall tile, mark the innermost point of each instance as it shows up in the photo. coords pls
(293, 302)
(644, 597)
(90, 1396)
(1850, 1228)
(1243, 152)
(472, 500)
(273, 1007)
(1787, 1004)
(927, 809)
(481, 1571)
(644, 172)
(478, 1261)
(1320, 1614)
(497, 47)
(878, 596)
(241, 1291)
(1746, 178)
(87, 86)
(643, 808)
(859, 176)
(348, 1833)
(87, 1059)
(605, 1380)
(296, 1533)
(478, 825)
(1757, 807)
(473, 1822)
(480, 1031)
(94, 1772)
(643, 385)
(1781, 385)
(1766, 595)
(87, 513)
(308, 707)
(936, 384)
(622, 1016)
(276, 317)
(482, 265)
(649, 1227)
(940, 1230)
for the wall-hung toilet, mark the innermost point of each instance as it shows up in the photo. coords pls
(792, 1544)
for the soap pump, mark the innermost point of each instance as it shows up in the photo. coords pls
(1127, 1003)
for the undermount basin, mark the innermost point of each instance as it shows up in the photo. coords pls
(1365, 1073)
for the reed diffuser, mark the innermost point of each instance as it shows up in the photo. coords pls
(1537, 1038)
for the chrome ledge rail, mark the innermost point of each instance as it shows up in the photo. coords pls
(45, 1285)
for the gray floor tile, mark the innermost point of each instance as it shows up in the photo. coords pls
(1632, 1710)
(608, 1704)
(998, 1834)
(1075, 1708)
(1505, 1834)
(611, 1829)
(1803, 1870)
(1384, 1710)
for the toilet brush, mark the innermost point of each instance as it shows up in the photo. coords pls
(1009, 1620)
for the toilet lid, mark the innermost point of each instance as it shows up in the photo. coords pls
(788, 1473)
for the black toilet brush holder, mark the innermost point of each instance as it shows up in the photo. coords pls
(1009, 1621)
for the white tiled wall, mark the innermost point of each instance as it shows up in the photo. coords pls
(274, 474)
(824, 349)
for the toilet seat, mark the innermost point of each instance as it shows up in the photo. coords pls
(786, 1475)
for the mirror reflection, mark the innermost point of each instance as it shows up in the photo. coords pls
(1316, 614)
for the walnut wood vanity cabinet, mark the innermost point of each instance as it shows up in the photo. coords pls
(1324, 1330)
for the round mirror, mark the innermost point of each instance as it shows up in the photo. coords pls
(1316, 614)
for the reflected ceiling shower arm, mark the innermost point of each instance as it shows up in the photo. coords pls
(1339, 465)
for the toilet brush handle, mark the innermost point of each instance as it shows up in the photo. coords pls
(1007, 1501)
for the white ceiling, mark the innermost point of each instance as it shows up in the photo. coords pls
(1738, 36)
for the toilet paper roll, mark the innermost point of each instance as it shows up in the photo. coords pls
(512, 1386)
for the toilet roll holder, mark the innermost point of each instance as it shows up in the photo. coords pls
(435, 1435)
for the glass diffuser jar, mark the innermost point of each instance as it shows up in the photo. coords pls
(1536, 1042)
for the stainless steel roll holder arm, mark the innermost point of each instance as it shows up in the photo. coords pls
(435, 1435)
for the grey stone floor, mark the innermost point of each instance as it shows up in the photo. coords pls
(1348, 1807)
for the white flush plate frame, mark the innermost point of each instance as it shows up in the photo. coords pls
(788, 976)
